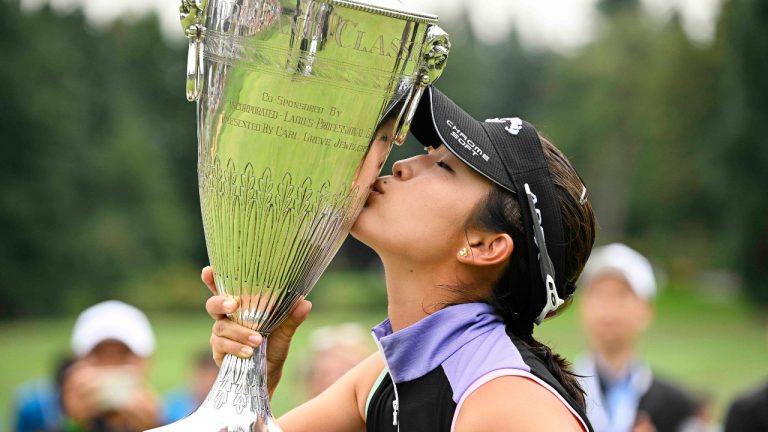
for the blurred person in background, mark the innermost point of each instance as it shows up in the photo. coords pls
(623, 394)
(749, 411)
(706, 419)
(37, 404)
(182, 402)
(103, 387)
(334, 351)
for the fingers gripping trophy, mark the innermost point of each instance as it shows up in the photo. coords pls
(298, 105)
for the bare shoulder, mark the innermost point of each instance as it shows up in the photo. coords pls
(365, 376)
(514, 403)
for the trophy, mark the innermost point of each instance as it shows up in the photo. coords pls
(298, 105)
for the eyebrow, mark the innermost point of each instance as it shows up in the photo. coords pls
(451, 158)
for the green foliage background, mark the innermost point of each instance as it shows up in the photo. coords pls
(98, 191)
(98, 168)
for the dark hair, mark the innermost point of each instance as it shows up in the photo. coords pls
(500, 212)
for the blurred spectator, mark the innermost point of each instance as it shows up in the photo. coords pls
(103, 388)
(37, 406)
(334, 351)
(182, 402)
(618, 289)
(705, 419)
(749, 411)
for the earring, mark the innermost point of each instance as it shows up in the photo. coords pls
(464, 252)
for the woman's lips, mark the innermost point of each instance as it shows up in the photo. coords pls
(376, 190)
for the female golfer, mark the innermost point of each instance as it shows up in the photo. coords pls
(481, 238)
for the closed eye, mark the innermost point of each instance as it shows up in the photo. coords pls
(444, 166)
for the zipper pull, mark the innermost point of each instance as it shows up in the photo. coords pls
(394, 412)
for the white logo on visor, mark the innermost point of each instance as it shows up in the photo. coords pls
(514, 127)
(466, 142)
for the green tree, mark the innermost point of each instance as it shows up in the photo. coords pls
(98, 174)
(744, 151)
(615, 7)
(634, 111)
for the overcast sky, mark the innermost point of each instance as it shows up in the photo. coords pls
(558, 24)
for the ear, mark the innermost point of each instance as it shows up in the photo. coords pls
(486, 249)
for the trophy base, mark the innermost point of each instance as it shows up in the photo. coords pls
(204, 420)
(238, 401)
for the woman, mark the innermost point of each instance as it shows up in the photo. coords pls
(481, 237)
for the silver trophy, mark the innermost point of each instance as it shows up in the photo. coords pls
(298, 104)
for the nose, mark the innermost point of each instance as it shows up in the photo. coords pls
(403, 169)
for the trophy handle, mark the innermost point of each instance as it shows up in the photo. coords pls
(194, 70)
(436, 49)
(192, 16)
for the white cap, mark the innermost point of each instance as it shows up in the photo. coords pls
(116, 320)
(621, 260)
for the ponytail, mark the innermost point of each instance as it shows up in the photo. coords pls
(520, 326)
(559, 367)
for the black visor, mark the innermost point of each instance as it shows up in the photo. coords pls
(508, 152)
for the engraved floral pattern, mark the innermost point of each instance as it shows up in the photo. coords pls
(269, 239)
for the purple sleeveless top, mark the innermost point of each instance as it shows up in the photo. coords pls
(437, 362)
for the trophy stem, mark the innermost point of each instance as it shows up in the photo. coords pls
(238, 401)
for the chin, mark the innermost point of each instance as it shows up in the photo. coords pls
(358, 230)
(367, 231)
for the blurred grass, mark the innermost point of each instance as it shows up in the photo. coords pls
(714, 345)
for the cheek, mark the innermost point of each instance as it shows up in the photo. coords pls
(639, 315)
(604, 312)
(616, 319)
(427, 216)
(410, 223)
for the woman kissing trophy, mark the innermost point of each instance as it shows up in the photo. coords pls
(298, 105)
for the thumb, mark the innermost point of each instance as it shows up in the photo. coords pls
(280, 339)
(298, 315)
(207, 277)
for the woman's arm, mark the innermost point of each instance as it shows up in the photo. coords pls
(341, 407)
(513, 403)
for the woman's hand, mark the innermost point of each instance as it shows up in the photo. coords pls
(227, 337)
